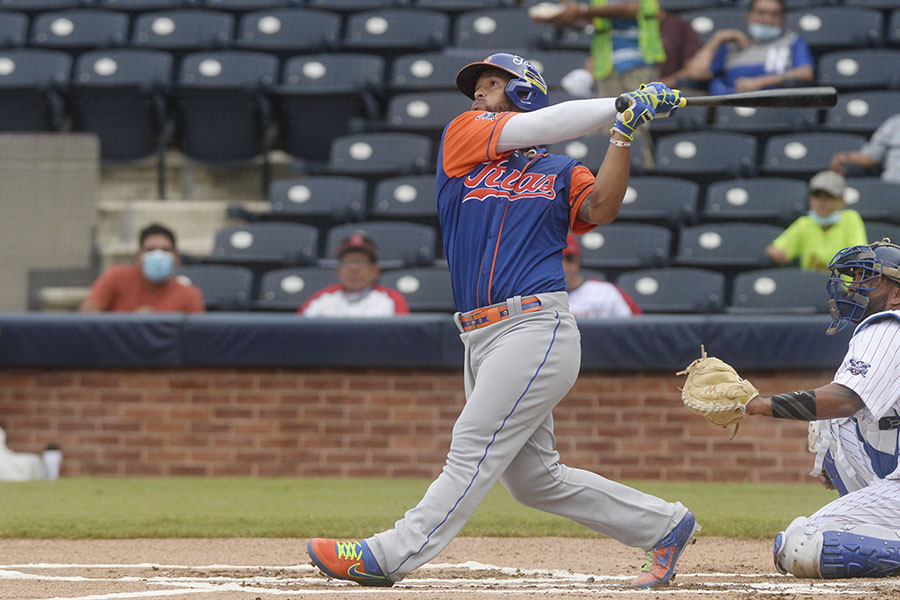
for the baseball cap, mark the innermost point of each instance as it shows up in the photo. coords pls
(829, 182)
(572, 248)
(358, 241)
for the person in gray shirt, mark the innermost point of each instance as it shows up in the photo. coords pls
(882, 149)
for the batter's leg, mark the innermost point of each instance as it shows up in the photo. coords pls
(536, 479)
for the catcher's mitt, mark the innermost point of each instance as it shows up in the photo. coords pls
(715, 390)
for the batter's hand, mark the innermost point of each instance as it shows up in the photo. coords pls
(642, 110)
(667, 99)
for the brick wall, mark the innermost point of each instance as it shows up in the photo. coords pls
(269, 422)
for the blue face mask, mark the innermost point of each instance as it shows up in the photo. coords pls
(157, 265)
(763, 32)
(826, 221)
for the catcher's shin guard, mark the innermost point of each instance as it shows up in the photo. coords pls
(797, 550)
(852, 554)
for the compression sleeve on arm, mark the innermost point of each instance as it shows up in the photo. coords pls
(557, 123)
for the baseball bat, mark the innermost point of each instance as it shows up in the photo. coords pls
(806, 97)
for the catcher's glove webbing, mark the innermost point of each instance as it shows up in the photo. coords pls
(715, 390)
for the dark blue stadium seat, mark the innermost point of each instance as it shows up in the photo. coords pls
(708, 20)
(354, 6)
(223, 114)
(781, 291)
(685, 119)
(240, 7)
(425, 289)
(591, 150)
(400, 244)
(660, 200)
(287, 289)
(380, 154)
(876, 230)
(728, 246)
(183, 30)
(863, 112)
(770, 200)
(319, 200)
(675, 290)
(224, 287)
(893, 29)
(860, 69)
(324, 96)
(426, 113)
(395, 31)
(500, 28)
(428, 71)
(32, 83)
(13, 29)
(121, 96)
(407, 198)
(803, 154)
(706, 153)
(266, 243)
(836, 27)
(76, 30)
(556, 64)
(138, 6)
(453, 7)
(37, 6)
(289, 31)
(765, 120)
(625, 246)
(873, 198)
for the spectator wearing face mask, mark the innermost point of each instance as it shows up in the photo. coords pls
(825, 229)
(147, 285)
(766, 56)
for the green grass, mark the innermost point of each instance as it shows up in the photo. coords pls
(344, 508)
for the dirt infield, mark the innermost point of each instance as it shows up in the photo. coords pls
(518, 569)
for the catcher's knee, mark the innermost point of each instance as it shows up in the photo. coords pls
(798, 548)
(829, 552)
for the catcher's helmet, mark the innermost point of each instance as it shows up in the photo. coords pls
(855, 272)
(527, 89)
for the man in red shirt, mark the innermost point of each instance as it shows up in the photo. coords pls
(148, 284)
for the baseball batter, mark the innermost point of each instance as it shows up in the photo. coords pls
(857, 535)
(505, 207)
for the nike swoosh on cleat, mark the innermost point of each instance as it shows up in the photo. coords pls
(354, 573)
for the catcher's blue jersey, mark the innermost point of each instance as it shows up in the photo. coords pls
(504, 217)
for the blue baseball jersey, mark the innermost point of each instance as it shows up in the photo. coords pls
(731, 63)
(504, 216)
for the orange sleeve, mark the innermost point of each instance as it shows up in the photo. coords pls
(580, 187)
(104, 289)
(471, 139)
(195, 302)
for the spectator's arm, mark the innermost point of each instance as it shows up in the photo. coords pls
(700, 67)
(803, 73)
(851, 158)
(777, 255)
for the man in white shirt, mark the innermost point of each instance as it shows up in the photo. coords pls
(357, 293)
(592, 298)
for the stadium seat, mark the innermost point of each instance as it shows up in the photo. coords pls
(675, 290)
(766, 120)
(863, 112)
(266, 243)
(803, 154)
(454, 7)
(705, 21)
(625, 246)
(782, 291)
(685, 119)
(241, 7)
(38, 6)
(324, 96)
(224, 287)
(408, 198)
(726, 246)
(320, 200)
(399, 244)
(556, 64)
(138, 6)
(289, 31)
(427, 113)
(860, 69)
(425, 289)
(574, 39)
(429, 71)
(395, 31)
(876, 230)
(772, 200)
(353, 6)
(660, 200)
(183, 30)
(121, 96)
(223, 115)
(893, 30)
(78, 30)
(683, 5)
(706, 153)
(832, 28)
(500, 28)
(287, 289)
(591, 149)
(878, 4)
(13, 29)
(380, 154)
(873, 198)
(32, 83)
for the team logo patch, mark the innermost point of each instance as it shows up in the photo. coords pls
(497, 181)
(858, 367)
(487, 116)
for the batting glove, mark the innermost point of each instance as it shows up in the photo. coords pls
(642, 110)
(667, 99)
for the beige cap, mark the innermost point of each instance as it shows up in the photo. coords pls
(829, 182)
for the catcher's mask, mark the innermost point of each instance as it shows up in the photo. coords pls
(527, 89)
(855, 272)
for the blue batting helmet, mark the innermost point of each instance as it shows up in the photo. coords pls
(527, 89)
(855, 272)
